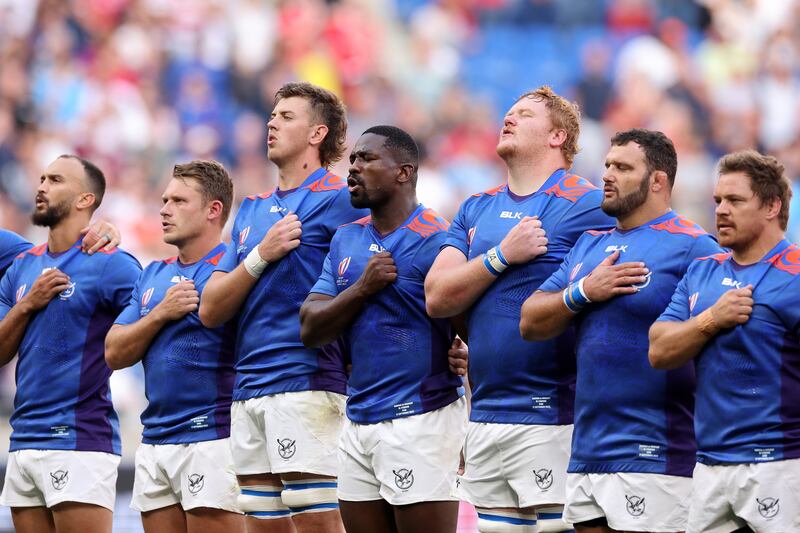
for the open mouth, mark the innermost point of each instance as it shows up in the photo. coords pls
(353, 184)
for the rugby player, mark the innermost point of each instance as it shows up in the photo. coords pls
(406, 412)
(56, 306)
(288, 407)
(633, 444)
(184, 477)
(502, 243)
(735, 315)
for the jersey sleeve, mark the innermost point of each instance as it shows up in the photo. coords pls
(704, 246)
(7, 292)
(230, 259)
(341, 211)
(326, 284)
(120, 275)
(678, 308)
(11, 245)
(426, 255)
(585, 214)
(131, 313)
(559, 279)
(458, 234)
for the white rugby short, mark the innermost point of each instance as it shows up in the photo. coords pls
(44, 478)
(403, 460)
(287, 432)
(514, 465)
(630, 501)
(197, 474)
(763, 496)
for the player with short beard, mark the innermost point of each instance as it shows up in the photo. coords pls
(56, 305)
(633, 445)
(184, 468)
(735, 316)
(502, 243)
(288, 407)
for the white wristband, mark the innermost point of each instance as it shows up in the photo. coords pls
(494, 260)
(580, 288)
(254, 264)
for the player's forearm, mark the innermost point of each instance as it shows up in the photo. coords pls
(126, 345)
(452, 291)
(12, 330)
(673, 344)
(224, 295)
(544, 316)
(322, 321)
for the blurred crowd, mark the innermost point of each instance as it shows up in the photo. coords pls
(137, 85)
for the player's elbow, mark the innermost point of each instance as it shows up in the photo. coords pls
(532, 326)
(438, 304)
(114, 358)
(310, 329)
(209, 313)
(658, 351)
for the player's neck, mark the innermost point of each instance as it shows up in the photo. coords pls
(644, 214)
(291, 174)
(197, 248)
(759, 248)
(527, 175)
(387, 218)
(60, 238)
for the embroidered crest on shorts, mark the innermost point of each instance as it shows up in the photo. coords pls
(768, 507)
(196, 482)
(635, 505)
(286, 448)
(59, 479)
(544, 478)
(403, 478)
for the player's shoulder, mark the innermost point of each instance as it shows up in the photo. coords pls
(118, 257)
(679, 225)
(787, 260)
(35, 251)
(573, 188)
(490, 193)
(327, 183)
(356, 225)
(427, 223)
(708, 263)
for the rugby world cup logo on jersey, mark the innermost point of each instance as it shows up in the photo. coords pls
(196, 482)
(768, 507)
(59, 479)
(693, 301)
(403, 478)
(242, 239)
(471, 235)
(343, 264)
(575, 271)
(147, 295)
(286, 448)
(543, 478)
(21, 291)
(634, 505)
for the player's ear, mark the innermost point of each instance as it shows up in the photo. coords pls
(318, 134)
(773, 208)
(406, 173)
(660, 181)
(85, 201)
(215, 209)
(558, 137)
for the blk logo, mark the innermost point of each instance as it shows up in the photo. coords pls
(59, 479)
(768, 507)
(514, 215)
(147, 295)
(544, 478)
(376, 248)
(729, 282)
(286, 448)
(403, 478)
(614, 248)
(635, 505)
(196, 482)
(277, 209)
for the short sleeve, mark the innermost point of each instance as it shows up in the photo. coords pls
(7, 295)
(458, 234)
(341, 211)
(11, 245)
(704, 246)
(559, 279)
(119, 277)
(131, 313)
(678, 308)
(326, 284)
(230, 259)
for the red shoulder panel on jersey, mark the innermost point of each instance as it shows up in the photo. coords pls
(571, 188)
(262, 196)
(361, 221)
(491, 192)
(427, 223)
(215, 260)
(681, 226)
(328, 182)
(170, 260)
(788, 260)
(36, 250)
(719, 258)
(599, 231)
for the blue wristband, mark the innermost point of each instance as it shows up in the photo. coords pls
(500, 255)
(489, 267)
(574, 297)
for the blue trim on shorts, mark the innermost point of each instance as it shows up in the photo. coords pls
(249, 492)
(314, 507)
(507, 519)
(549, 516)
(302, 486)
(268, 513)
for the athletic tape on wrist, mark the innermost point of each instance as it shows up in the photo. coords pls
(494, 261)
(254, 264)
(575, 297)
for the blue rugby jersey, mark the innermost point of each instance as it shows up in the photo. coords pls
(630, 417)
(62, 400)
(516, 381)
(11, 245)
(188, 368)
(747, 406)
(399, 353)
(270, 357)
